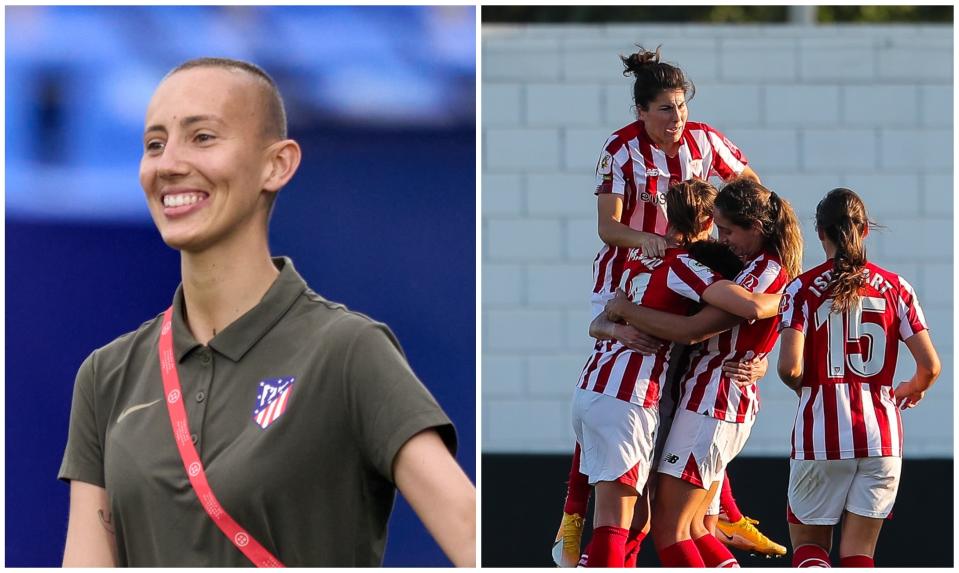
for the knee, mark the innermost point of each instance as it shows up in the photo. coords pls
(697, 529)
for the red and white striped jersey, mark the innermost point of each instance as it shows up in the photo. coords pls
(705, 388)
(633, 166)
(671, 284)
(847, 408)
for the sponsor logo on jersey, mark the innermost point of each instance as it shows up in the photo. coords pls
(750, 282)
(272, 400)
(658, 198)
(671, 458)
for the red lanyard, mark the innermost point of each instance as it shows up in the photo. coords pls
(255, 552)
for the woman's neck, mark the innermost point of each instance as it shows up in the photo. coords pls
(674, 237)
(221, 284)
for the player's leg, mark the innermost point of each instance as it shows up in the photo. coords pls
(811, 545)
(611, 521)
(616, 438)
(673, 509)
(713, 552)
(857, 543)
(566, 546)
(638, 529)
(739, 531)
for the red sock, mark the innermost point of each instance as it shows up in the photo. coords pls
(607, 548)
(727, 504)
(577, 492)
(806, 556)
(856, 561)
(633, 541)
(682, 554)
(714, 553)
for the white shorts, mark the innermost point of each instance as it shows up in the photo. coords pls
(699, 447)
(819, 490)
(615, 437)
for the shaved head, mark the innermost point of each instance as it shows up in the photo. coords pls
(274, 117)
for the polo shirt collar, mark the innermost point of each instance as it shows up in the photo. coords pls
(237, 338)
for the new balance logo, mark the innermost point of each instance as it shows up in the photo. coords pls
(671, 458)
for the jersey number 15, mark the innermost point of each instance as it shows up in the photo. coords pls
(856, 330)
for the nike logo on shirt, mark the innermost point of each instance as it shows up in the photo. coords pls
(133, 409)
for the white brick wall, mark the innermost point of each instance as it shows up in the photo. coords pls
(867, 107)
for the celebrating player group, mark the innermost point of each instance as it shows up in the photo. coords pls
(683, 324)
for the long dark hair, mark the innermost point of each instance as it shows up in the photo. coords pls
(688, 205)
(841, 217)
(746, 202)
(654, 77)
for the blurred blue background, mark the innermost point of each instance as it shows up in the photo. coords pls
(381, 215)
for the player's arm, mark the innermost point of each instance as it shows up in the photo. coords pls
(734, 299)
(910, 392)
(440, 493)
(706, 323)
(91, 539)
(602, 328)
(790, 367)
(748, 172)
(617, 234)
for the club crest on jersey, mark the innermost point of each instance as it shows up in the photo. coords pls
(271, 400)
(784, 303)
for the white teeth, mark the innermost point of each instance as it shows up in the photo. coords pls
(181, 199)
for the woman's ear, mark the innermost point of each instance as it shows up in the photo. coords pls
(283, 159)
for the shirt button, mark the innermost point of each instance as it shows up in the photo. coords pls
(205, 358)
(200, 396)
(194, 438)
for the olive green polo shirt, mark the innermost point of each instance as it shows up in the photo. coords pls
(314, 486)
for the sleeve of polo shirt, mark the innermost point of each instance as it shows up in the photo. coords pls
(83, 458)
(388, 403)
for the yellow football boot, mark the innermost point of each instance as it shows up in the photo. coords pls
(743, 535)
(568, 539)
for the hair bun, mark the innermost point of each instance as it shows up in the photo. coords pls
(640, 59)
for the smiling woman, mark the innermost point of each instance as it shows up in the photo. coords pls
(332, 397)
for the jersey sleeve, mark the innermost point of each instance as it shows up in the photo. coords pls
(793, 309)
(83, 457)
(609, 169)
(388, 403)
(911, 319)
(728, 160)
(689, 278)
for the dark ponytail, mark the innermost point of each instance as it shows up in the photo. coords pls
(654, 77)
(689, 204)
(841, 217)
(746, 202)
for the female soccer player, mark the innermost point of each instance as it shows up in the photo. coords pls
(637, 165)
(253, 422)
(841, 325)
(615, 403)
(715, 413)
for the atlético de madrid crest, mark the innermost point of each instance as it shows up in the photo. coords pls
(272, 400)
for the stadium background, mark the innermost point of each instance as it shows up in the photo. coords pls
(813, 107)
(381, 215)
